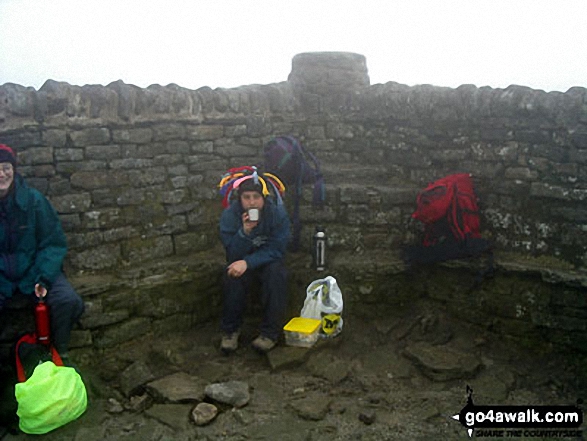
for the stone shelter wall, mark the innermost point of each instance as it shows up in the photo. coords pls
(133, 174)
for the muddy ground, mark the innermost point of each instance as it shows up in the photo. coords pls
(383, 378)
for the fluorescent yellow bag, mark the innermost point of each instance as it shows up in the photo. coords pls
(52, 397)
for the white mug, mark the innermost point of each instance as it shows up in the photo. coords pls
(253, 214)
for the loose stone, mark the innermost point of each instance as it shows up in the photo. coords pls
(204, 413)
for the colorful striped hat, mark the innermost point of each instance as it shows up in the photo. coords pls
(247, 178)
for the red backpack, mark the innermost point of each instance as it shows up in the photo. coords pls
(451, 199)
(449, 211)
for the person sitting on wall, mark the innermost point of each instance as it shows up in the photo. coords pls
(32, 249)
(254, 230)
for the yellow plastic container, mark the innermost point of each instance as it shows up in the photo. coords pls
(302, 332)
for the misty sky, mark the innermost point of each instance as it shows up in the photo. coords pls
(228, 43)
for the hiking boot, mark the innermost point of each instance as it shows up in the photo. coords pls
(229, 342)
(263, 344)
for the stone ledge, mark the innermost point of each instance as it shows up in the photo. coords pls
(185, 268)
(573, 278)
(389, 262)
(170, 270)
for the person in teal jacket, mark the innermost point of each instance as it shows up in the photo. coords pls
(255, 249)
(32, 249)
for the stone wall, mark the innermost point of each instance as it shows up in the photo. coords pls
(133, 174)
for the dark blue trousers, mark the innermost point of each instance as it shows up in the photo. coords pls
(65, 309)
(273, 281)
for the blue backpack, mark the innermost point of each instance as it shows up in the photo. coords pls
(288, 159)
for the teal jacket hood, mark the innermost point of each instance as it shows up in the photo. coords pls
(32, 241)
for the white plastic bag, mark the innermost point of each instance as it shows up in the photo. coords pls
(324, 302)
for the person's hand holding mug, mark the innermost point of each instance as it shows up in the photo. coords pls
(253, 214)
(250, 222)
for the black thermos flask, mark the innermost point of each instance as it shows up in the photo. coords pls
(320, 249)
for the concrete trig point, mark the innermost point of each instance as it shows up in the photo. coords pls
(329, 71)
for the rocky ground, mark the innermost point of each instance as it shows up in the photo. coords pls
(389, 376)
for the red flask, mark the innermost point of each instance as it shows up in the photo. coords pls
(42, 322)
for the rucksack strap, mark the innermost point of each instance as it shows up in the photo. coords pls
(297, 226)
(486, 272)
(32, 339)
(318, 194)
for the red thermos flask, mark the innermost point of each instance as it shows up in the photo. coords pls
(42, 322)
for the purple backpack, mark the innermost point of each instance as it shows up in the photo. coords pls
(288, 159)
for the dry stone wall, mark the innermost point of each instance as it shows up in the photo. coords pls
(133, 174)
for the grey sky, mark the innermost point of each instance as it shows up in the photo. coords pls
(227, 43)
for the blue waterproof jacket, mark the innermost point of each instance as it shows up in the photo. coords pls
(266, 243)
(32, 242)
